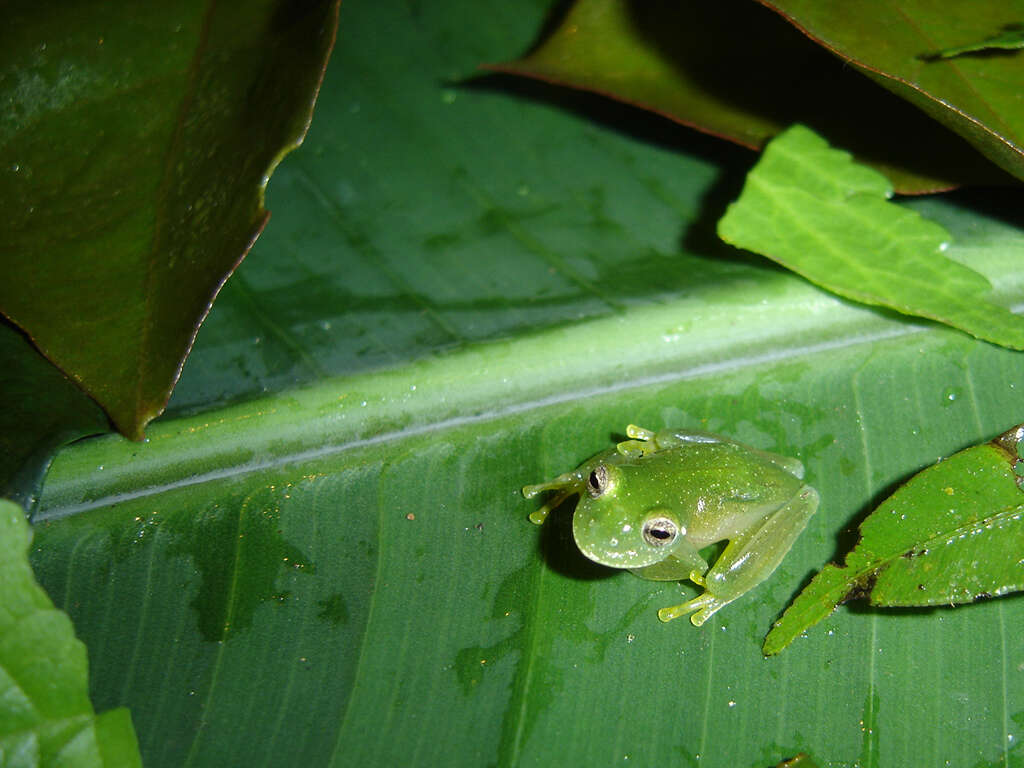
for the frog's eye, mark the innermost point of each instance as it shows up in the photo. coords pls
(660, 531)
(598, 481)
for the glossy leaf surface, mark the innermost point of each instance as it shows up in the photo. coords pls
(735, 70)
(284, 575)
(45, 715)
(954, 533)
(137, 141)
(811, 209)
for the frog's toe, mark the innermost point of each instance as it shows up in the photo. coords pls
(705, 605)
(707, 612)
(538, 516)
(529, 491)
(639, 433)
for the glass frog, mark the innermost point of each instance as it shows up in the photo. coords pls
(651, 503)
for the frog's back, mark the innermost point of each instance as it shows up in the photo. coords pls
(717, 488)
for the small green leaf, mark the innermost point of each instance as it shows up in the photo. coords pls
(812, 209)
(1011, 38)
(952, 534)
(45, 714)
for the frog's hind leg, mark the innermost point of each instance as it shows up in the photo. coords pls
(749, 559)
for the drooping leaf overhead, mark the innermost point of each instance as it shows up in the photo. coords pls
(735, 70)
(137, 142)
(895, 44)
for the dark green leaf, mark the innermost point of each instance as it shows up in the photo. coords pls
(892, 42)
(45, 715)
(137, 141)
(42, 409)
(811, 209)
(735, 70)
(952, 534)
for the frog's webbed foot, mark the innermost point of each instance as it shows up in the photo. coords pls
(705, 606)
(646, 441)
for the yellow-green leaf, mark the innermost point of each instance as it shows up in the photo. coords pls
(46, 718)
(812, 209)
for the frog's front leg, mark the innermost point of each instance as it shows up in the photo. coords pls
(565, 485)
(748, 560)
(643, 441)
(569, 484)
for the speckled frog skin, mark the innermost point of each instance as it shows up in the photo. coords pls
(652, 502)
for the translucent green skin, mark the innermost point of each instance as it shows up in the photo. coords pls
(652, 502)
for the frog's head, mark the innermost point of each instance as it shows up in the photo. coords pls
(618, 527)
